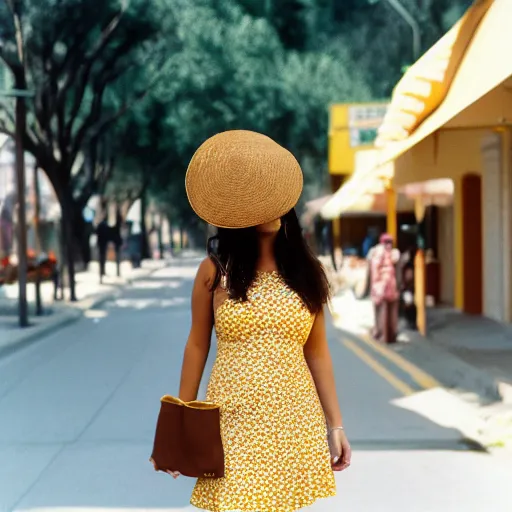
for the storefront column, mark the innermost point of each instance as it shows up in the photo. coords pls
(419, 274)
(391, 212)
(336, 233)
(336, 183)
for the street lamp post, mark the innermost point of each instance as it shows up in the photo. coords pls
(21, 119)
(409, 19)
(20, 93)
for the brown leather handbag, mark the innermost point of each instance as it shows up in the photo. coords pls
(188, 438)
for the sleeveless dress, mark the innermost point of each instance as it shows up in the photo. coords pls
(273, 427)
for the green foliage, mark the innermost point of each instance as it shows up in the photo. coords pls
(127, 90)
(381, 40)
(73, 57)
(237, 73)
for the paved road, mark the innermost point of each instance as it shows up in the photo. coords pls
(77, 414)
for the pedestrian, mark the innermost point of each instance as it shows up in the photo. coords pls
(117, 238)
(369, 241)
(264, 292)
(407, 292)
(103, 238)
(384, 289)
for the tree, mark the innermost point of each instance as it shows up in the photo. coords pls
(237, 73)
(74, 56)
(381, 41)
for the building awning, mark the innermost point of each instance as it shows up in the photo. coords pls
(356, 194)
(312, 209)
(475, 63)
(433, 192)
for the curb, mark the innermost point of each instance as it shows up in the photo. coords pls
(431, 366)
(66, 315)
(477, 432)
(449, 369)
(26, 337)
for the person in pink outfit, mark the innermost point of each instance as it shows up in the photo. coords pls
(384, 289)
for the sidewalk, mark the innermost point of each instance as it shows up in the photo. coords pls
(57, 314)
(471, 357)
(481, 342)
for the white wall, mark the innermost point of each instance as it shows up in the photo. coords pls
(493, 228)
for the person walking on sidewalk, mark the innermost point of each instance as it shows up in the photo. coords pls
(264, 291)
(103, 237)
(384, 289)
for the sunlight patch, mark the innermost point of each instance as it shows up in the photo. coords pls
(151, 303)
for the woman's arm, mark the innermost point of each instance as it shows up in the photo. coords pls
(199, 340)
(318, 357)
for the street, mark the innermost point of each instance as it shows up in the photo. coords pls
(78, 410)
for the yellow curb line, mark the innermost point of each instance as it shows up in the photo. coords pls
(422, 378)
(391, 378)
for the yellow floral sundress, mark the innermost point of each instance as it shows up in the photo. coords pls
(273, 427)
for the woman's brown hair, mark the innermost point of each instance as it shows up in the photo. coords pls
(235, 252)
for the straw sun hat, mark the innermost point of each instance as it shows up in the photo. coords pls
(240, 179)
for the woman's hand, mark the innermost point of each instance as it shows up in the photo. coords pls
(341, 453)
(174, 474)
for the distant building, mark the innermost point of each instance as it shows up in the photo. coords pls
(49, 206)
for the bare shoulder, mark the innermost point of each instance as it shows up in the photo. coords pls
(206, 272)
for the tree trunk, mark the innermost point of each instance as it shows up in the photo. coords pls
(37, 238)
(81, 234)
(21, 119)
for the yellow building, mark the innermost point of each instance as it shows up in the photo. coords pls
(352, 127)
(352, 132)
(448, 139)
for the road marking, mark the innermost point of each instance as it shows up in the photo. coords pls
(390, 377)
(422, 378)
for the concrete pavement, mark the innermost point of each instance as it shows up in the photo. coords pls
(78, 411)
(456, 356)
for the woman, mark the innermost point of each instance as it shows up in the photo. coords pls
(384, 289)
(264, 292)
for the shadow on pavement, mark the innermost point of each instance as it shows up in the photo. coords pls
(378, 414)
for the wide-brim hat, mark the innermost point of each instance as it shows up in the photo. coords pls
(240, 179)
